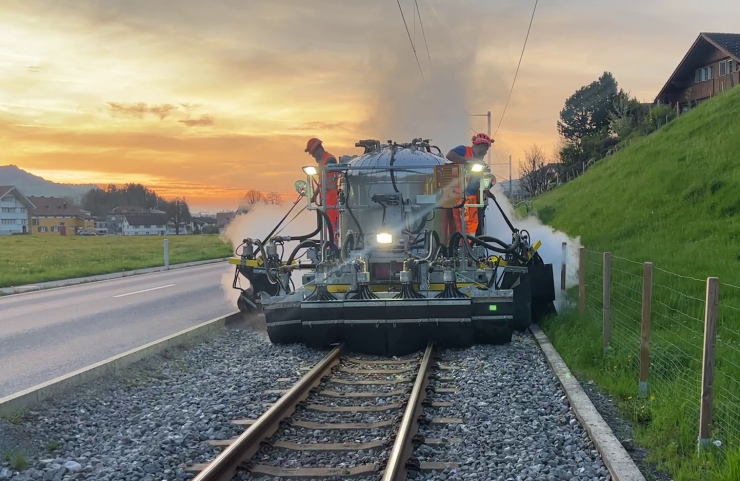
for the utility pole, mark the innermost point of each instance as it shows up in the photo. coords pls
(489, 134)
(509, 176)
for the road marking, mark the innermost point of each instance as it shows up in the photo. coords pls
(145, 290)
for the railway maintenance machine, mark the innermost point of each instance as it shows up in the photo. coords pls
(396, 273)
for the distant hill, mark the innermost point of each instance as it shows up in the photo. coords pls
(30, 184)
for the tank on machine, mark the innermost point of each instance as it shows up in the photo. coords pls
(394, 275)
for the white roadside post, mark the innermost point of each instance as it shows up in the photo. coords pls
(166, 254)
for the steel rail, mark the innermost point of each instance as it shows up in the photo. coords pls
(225, 465)
(403, 448)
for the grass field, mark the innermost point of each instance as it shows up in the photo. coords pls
(33, 259)
(672, 199)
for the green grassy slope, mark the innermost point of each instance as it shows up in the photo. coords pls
(673, 198)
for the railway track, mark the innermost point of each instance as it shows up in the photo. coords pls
(347, 416)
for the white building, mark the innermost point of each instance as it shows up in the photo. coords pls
(144, 224)
(15, 211)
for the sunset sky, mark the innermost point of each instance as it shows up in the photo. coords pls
(209, 99)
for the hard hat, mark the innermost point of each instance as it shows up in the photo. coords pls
(482, 139)
(312, 145)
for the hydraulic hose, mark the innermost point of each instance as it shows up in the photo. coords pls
(349, 209)
(308, 236)
(507, 248)
(305, 243)
(454, 244)
(349, 239)
(393, 175)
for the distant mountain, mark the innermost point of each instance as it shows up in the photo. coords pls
(30, 184)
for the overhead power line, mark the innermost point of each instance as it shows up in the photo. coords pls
(411, 41)
(517, 67)
(422, 30)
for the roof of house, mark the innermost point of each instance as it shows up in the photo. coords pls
(134, 209)
(729, 43)
(146, 219)
(204, 219)
(223, 218)
(56, 206)
(7, 189)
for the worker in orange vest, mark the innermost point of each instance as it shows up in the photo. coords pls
(463, 154)
(315, 148)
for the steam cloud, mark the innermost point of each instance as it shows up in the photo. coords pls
(552, 240)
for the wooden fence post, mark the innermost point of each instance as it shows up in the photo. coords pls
(582, 281)
(564, 267)
(647, 309)
(607, 283)
(707, 372)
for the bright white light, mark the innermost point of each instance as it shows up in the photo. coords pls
(384, 238)
(477, 168)
(310, 170)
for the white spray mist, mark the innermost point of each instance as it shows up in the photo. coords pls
(552, 241)
(257, 224)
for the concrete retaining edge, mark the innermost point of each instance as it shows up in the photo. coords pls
(22, 400)
(4, 291)
(615, 457)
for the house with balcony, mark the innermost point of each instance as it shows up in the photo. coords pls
(15, 211)
(711, 66)
(57, 216)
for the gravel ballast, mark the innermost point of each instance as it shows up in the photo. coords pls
(154, 419)
(149, 422)
(517, 423)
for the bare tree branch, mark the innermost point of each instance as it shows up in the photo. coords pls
(533, 172)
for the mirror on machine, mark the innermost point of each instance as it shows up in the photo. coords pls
(300, 187)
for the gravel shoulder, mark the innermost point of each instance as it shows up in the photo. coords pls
(624, 431)
(152, 419)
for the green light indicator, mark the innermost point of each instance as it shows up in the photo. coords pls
(492, 307)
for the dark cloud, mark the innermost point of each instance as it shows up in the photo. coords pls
(139, 110)
(203, 121)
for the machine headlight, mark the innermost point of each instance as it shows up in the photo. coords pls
(477, 167)
(384, 238)
(310, 170)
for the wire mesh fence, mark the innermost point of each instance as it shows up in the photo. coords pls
(659, 333)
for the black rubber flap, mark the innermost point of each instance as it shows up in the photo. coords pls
(517, 279)
(543, 291)
(283, 322)
(450, 323)
(364, 327)
(408, 325)
(321, 322)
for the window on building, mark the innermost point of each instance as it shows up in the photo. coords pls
(35, 221)
(55, 228)
(723, 68)
(62, 223)
(42, 229)
(8, 198)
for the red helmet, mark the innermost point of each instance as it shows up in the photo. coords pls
(482, 139)
(312, 145)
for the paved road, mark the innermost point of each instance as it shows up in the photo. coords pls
(46, 334)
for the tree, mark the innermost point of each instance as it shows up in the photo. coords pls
(273, 198)
(534, 175)
(587, 110)
(178, 212)
(249, 199)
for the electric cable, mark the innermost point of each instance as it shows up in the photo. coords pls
(411, 41)
(517, 67)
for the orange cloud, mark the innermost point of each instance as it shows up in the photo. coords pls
(208, 100)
